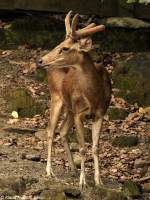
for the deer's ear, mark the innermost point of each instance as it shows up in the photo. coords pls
(85, 44)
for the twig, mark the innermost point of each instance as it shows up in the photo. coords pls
(143, 179)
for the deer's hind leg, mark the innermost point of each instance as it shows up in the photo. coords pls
(65, 127)
(96, 129)
(81, 108)
(80, 137)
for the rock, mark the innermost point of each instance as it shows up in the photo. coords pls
(39, 146)
(14, 184)
(115, 113)
(77, 160)
(140, 163)
(5, 193)
(125, 141)
(131, 76)
(72, 192)
(137, 152)
(123, 178)
(126, 22)
(146, 187)
(108, 194)
(74, 147)
(41, 134)
(52, 195)
(8, 144)
(24, 103)
(114, 170)
(131, 189)
(12, 160)
(33, 157)
(23, 156)
(20, 130)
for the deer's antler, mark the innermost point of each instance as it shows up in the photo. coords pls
(72, 29)
(89, 31)
(67, 23)
(74, 24)
(87, 27)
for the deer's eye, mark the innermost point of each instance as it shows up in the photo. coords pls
(65, 49)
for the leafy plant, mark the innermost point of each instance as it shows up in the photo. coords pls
(138, 1)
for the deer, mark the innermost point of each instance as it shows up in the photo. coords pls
(78, 99)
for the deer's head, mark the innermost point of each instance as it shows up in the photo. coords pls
(75, 39)
(70, 58)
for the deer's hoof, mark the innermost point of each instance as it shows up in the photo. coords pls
(99, 183)
(82, 184)
(50, 172)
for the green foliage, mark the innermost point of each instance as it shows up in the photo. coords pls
(131, 1)
(138, 1)
(108, 194)
(131, 189)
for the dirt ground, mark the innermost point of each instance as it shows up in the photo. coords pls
(23, 146)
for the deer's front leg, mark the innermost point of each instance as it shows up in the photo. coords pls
(56, 106)
(80, 136)
(96, 128)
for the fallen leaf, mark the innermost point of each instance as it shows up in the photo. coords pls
(141, 110)
(14, 114)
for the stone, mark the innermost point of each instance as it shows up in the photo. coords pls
(12, 160)
(16, 184)
(74, 146)
(114, 170)
(23, 156)
(53, 194)
(126, 22)
(139, 163)
(20, 130)
(146, 187)
(72, 192)
(131, 76)
(77, 160)
(108, 194)
(115, 113)
(33, 157)
(23, 102)
(41, 134)
(125, 141)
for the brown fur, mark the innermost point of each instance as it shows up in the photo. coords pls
(83, 88)
(84, 84)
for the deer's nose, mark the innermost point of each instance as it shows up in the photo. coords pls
(40, 63)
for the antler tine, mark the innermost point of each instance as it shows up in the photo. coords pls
(90, 31)
(87, 27)
(74, 24)
(67, 22)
